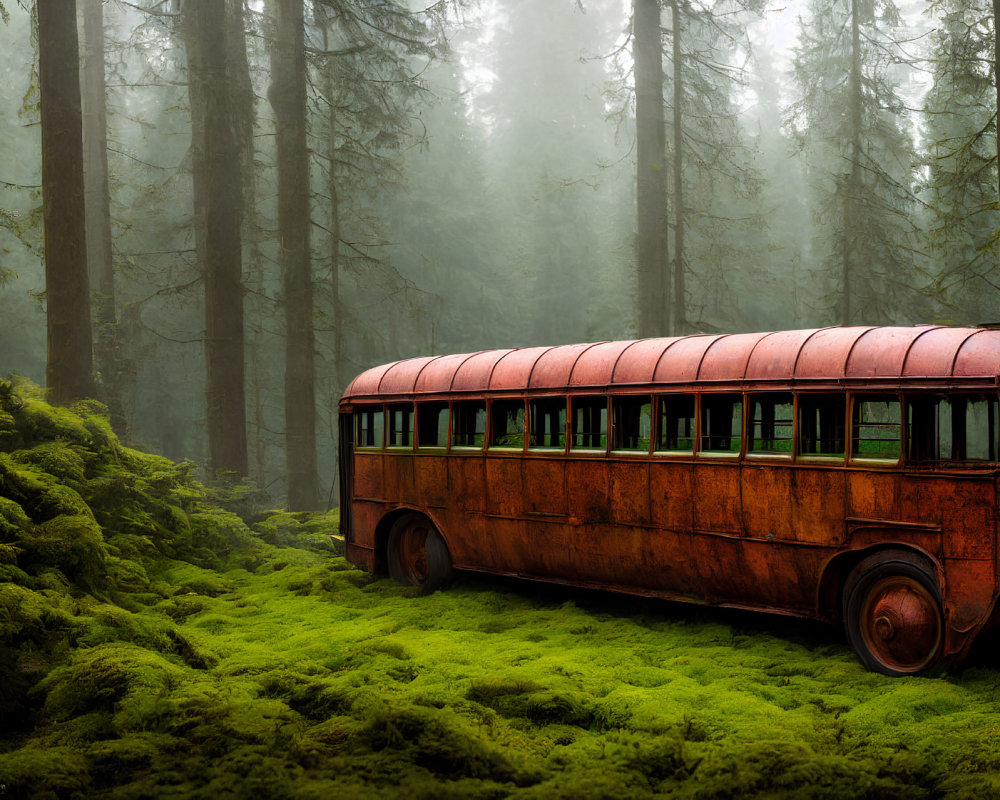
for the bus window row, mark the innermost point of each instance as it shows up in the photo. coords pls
(938, 428)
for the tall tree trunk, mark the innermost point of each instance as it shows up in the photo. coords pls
(680, 312)
(287, 95)
(97, 201)
(853, 190)
(69, 371)
(218, 218)
(996, 83)
(651, 176)
(333, 236)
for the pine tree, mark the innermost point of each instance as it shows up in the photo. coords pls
(852, 129)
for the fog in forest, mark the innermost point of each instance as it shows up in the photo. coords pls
(408, 180)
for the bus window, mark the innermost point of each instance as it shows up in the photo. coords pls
(468, 424)
(507, 423)
(822, 418)
(676, 423)
(432, 424)
(369, 427)
(399, 432)
(632, 423)
(771, 423)
(590, 423)
(721, 423)
(961, 428)
(548, 424)
(877, 428)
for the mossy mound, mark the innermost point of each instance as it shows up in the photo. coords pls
(153, 644)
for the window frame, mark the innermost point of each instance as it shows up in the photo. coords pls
(619, 401)
(855, 399)
(739, 452)
(391, 409)
(753, 398)
(659, 400)
(958, 435)
(441, 405)
(374, 410)
(458, 407)
(571, 423)
(512, 402)
(563, 405)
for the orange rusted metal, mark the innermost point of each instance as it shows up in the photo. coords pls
(784, 531)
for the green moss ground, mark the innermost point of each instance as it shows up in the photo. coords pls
(155, 645)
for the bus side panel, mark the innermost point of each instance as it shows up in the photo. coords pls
(818, 499)
(400, 483)
(587, 489)
(544, 486)
(630, 493)
(793, 503)
(970, 519)
(717, 507)
(782, 575)
(767, 497)
(873, 495)
(368, 482)
(968, 600)
(431, 474)
(504, 489)
(466, 477)
(671, 499)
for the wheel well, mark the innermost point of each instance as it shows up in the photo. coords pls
(829, 600)
(382, 531)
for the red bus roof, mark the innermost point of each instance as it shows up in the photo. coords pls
(825, 354)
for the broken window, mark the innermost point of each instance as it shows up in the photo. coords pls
(822, 419)
(468, 424)
(877, 428)
(721, 423)
(590, 423)
(432, 424)
(771, 420)
(507, 423)
(960, 428)
(400, 430)
(632, 421)
(369, 428)
(548, 424)
(676, 423)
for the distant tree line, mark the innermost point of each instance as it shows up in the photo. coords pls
(262, 200)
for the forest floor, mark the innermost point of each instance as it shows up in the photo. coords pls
(153, 644)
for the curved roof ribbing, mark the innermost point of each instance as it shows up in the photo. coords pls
(847, 353)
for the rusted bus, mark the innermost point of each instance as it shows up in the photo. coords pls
(840, 473)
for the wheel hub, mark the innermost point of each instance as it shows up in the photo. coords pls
(901, 623)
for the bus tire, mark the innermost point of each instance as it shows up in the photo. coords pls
(892, 614)
(417, 554)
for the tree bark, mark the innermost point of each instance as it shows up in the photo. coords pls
(651, 175)
(110, 365)
(996, 83)
(287, 95)
(218, 219)
(333, 225)
(69, 369)
(852, 190)
(680, 312)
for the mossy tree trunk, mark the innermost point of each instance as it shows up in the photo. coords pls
(218, 204)
(287, 95)
(651, 175)
(70, 367)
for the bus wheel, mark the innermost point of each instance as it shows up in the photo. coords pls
(416, 553)
(892, 614)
